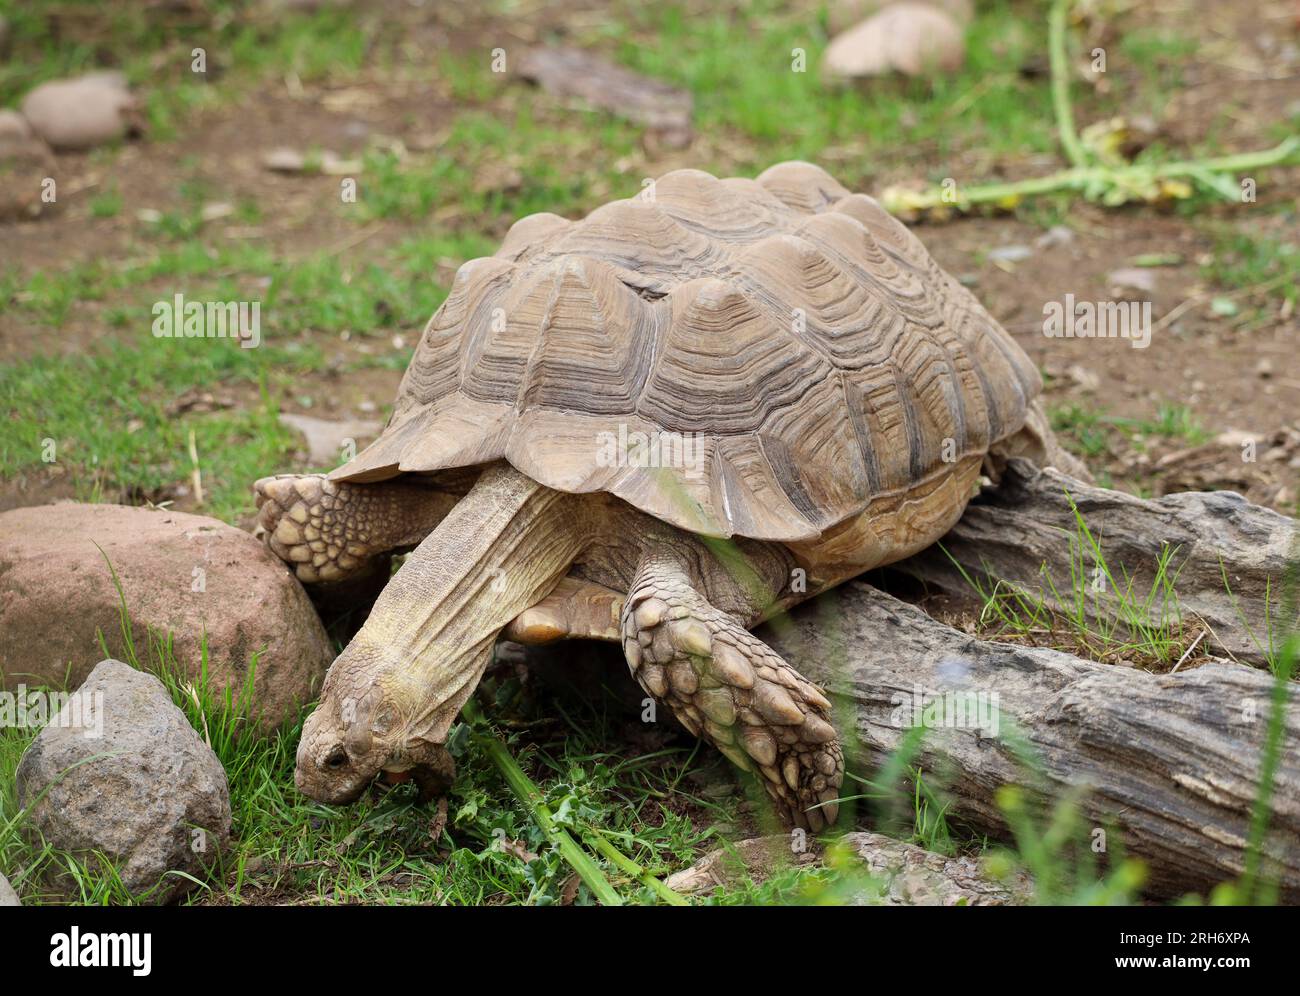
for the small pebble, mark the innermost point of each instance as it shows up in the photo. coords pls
(1057, 235)
(1010, 254)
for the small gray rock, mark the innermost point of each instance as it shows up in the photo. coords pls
(7, 895)
(1057, 235)
(910, 38)
(82, 113)
(137, 785)
(326, 438)
(1132, 278)
(1010, 254)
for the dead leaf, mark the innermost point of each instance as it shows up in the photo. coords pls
(517, 848)
(569, 890)
(439, 822)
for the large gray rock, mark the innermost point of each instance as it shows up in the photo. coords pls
(125, 775)
(81, 113)
(7, 895)
(184, 574)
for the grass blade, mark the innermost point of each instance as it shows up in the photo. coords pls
(531, 796)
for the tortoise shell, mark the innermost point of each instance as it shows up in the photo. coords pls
(759, 358)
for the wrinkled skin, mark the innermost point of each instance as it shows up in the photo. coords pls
(337, 760)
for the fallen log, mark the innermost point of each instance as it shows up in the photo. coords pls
(896, 873)
(1230, 558)
(1170, 761)
(576, 74)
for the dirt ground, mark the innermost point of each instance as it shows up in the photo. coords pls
(1237, 374)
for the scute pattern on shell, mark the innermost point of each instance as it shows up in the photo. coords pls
(805, 335)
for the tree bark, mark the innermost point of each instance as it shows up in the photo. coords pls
(1012, 531)
(1170, 761)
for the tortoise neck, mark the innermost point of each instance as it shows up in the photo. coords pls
(501, 549)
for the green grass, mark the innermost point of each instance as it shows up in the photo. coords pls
(1267, 266)
(327, 44)
(1099, 612)
(1056, 850)
(107, 205)
(134, 445)
(1084, 429)
(1093, 433)
(495, 167)
(751, 90)
(838, 879)
(486, 846)
(387, 848)
(1157, 58)
(317, 293)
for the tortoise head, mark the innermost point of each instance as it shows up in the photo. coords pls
(360, 731)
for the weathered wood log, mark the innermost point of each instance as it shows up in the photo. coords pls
(1171, 760)
(1012, 531)
(900, 874)
(573, 73)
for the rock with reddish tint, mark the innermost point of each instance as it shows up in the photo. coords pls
(186, 575)
(119, 773)
(77, 114)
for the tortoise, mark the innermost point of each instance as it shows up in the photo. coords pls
(660, 425)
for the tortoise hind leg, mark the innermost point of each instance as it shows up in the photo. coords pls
(326, 530)
(576, 610)
(726, 685)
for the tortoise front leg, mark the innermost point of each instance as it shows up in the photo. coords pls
(326, 530)
(727, 686)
